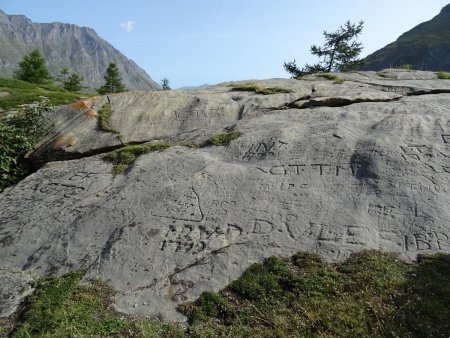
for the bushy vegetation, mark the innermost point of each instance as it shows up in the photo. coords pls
(251, 87)
(32, 69)
(372, 294)
(18, 134)
(21, 92)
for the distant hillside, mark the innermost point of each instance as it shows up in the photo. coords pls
(79, 49)
(425, 47)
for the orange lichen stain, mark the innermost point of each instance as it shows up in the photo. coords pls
(82, 104)
(90, 113)
(63, 142)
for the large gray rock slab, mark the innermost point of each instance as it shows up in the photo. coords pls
(325, 179)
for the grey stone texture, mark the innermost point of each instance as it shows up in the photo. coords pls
(328, 168)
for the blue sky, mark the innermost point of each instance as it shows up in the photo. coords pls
(192, 42)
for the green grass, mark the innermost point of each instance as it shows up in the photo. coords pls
(387, 76)
(332, 77)
(222, 139)
(250, 87)
(444, 75)
(372, 294)
(103, 115)
(60, 307)
(21, 92)
(124, 157)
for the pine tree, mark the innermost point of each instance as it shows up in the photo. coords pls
(113, 81)
(165, 84)
(339, 53)
(32, 69)
(70, 82)
(73, 83)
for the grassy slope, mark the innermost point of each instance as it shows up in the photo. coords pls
(372, 294)
(22, 92)
(414, 46)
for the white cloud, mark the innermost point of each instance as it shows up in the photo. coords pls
(128, 26)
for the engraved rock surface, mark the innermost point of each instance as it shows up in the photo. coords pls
(328, 168)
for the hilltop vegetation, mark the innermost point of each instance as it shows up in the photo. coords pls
(17, 92)
(426, 47)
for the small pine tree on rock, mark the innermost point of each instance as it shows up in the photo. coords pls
(32, 69)
(339, 53)
(113, 81)
(165, 84)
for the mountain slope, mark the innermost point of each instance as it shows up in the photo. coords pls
(79, 49)
(425, 47)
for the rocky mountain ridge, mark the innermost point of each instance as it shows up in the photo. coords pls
(312, 165)
(425, 47)
(79, 49)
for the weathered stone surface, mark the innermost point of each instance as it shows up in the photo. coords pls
(331, 178)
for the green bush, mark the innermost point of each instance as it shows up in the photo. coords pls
(19, 133)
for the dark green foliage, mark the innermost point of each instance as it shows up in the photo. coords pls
(70, 82)
(209, 305)
(165, 84)
(339, 53)
(21, 92)
(32, 69)
(61, 308)
(18, 134)
(113, 81)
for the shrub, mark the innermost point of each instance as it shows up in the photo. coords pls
(19, 133)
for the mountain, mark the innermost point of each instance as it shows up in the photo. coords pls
(425, 47)
(79, 49)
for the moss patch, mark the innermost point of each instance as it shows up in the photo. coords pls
(124, 157)
(222, 139)
(372, 294)
(444, 75)
(60, 307)
(103, 116)
(250, 87)
(333, 77)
